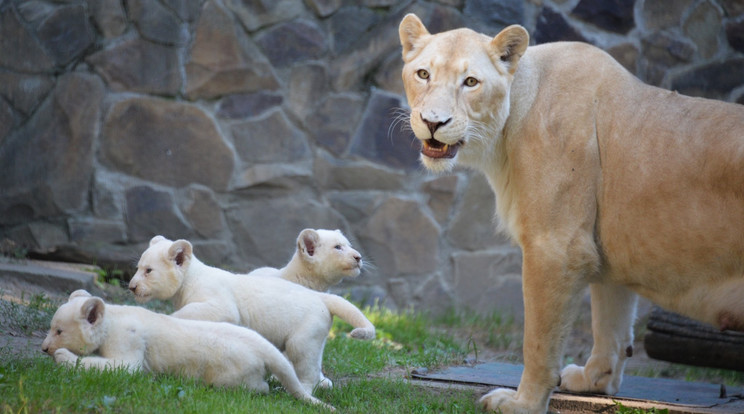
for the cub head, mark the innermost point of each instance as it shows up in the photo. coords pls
(457, 84)
(161, 269)
(328, 255)
(78, 325)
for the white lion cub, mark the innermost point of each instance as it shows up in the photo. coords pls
(321, 260)
(136, 338)
(290, 316)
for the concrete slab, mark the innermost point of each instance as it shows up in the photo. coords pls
(636, 392)
(52, 276)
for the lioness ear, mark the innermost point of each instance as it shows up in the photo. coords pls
(180, 252)
(509, 45)
(308, 241)
(411, 31)
(80, 293)
(92, 310)
(157, 239)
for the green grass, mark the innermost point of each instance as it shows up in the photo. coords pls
(361, 371)
(35, 314)
(368, 375)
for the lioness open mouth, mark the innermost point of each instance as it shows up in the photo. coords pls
(437, 149)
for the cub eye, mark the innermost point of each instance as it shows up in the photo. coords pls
(148, 271)
(423, 74)
(337, 247)
(59, 332)
(470, 81)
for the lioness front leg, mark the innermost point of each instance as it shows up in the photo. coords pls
(613, 315)
(550, 303)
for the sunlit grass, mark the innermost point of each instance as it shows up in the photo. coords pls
(406, 339)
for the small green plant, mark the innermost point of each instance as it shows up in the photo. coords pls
(621, 409)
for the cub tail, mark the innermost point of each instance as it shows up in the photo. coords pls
(283, 370)
(338, 306)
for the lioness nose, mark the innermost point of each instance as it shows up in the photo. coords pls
(434, 125)
(133, 288)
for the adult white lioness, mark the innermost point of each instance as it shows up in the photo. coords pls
(602, 180)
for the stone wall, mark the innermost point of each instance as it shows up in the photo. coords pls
(236, 123)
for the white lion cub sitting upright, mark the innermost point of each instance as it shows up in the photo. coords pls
(136, 338)
(322, 259)
(290, 316)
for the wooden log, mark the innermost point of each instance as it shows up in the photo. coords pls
(675, 338)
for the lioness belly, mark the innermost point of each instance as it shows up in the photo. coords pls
(671, 209)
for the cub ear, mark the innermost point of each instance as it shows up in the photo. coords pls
(80, 293)
(509, 45)
(157, 239)
(180, 252)
(308, 242)
(411, 32)
(93, 310)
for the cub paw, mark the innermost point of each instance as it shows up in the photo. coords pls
(325, 383)
(362, 333)
(64, 356)
(503, 401)
(589, 379)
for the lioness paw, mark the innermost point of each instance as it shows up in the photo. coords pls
(503, 400)
(64, 356)
(588, 379)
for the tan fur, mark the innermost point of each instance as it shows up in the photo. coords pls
(602, 181)
(135, 338)
(293, 318)
(322, 259)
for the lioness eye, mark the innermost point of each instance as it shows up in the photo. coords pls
(470, 81)
(147, 271)
(337, 247)
(59, 332)
(422, 73)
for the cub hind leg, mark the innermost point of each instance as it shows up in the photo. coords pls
(613, 315)
(305, 350)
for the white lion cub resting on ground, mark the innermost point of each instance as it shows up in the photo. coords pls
(136, 338)
(322, 259)
(290, 316)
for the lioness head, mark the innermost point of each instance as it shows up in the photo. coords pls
(78, 325)
(327, 254)
(161, 269)
(457, 84)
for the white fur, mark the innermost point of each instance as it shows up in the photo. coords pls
(221, 354)
(603, 181)
(290, 316)
(322, 259)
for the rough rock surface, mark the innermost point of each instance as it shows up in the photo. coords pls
(236, 123)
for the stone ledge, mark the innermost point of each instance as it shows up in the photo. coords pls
(54, 276)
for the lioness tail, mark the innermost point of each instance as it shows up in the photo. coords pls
(338, 306)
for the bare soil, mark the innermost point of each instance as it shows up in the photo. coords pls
(577, 350)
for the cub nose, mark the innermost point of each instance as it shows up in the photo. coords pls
(358, 258)
(133, 288)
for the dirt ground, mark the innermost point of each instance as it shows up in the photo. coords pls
(578, 347)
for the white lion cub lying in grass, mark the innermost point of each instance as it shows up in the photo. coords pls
(322, 259)
(290, 316)
(136, 338)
